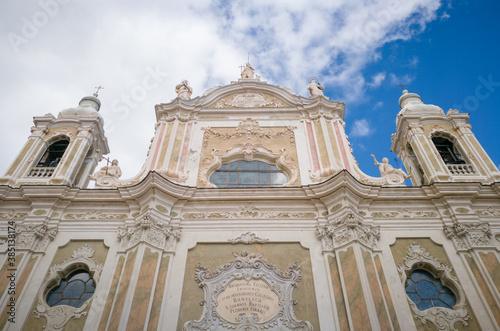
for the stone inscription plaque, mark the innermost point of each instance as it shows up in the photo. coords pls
(247, 297)
(238, 296)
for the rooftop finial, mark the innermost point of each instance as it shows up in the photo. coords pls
(96, 94)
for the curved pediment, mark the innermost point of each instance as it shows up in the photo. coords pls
(249, 95)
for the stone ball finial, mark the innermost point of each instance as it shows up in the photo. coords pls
(411, 98)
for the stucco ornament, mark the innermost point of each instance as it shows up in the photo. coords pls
(58, 316)
(248, 238)
(250, 211)
(248, 293)
(443, 318)
(390, 175)
(469, 235)
(249, 100)
(346, 230)
(183, 90)
(249, 128)
(151, 230)
(13, 214)
(35, 237)
(315, 89)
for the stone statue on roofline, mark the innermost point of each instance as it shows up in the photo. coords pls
(315, 89)
(388, 170)
(247, 72)
(183, 90)
(107, 175)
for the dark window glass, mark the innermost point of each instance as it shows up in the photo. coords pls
(53, 154)
(248, 174)
(73, 290)
(427, 291)
(447, 151)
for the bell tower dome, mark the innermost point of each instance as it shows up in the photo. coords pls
(62, 150)
(436, 147)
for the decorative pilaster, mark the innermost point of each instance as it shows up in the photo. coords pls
(473, 242)
(350, 247)
(146, 247)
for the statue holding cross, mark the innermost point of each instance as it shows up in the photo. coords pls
(247, 71)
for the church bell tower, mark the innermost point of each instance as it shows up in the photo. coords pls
(62, 150)
(436, 147)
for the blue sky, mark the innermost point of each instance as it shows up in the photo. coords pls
(444, 64)
(359, 50)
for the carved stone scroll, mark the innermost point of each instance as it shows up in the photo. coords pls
(248, 238)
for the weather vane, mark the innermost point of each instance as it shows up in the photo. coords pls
(96, 94)
(402, 86)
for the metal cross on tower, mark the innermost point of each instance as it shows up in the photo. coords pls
(96, 94)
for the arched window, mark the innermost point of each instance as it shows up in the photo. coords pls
(72, 290)
(448, 151)
(427, 291)
(248, 174)
(53, 154)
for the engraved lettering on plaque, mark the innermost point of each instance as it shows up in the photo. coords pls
(248, 293)
(248, 297)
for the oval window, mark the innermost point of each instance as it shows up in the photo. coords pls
(73, 290)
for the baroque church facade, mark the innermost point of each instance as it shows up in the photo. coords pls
(251, 213)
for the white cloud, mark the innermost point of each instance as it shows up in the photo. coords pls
(444, 16)
(400, 80)
(377, 79)
(378, 105)
(113, 43)
(361, 128)
(413, 62)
